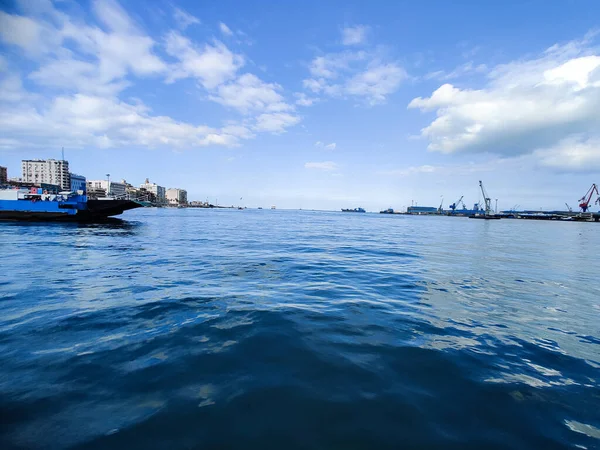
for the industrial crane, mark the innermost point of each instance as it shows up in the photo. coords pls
(584, 202)
(457, 203)
(568, 207)
(486, 199)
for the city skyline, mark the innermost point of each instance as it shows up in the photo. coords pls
(314, 105)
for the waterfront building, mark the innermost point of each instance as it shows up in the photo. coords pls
(422, 210)
(107, 187)
(3, 175)
(78, 183)
(158, 191)
(50, 171)
(176, 197)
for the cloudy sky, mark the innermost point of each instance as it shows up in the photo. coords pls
(310, 104)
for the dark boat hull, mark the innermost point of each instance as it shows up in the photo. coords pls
(109, 208)
(485, 217)
(97, 210)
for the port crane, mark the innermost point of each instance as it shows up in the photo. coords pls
(584, 202)
(486, 199)
(457, 203)
(568, 207)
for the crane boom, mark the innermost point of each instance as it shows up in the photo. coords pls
(486, 199)
(584, 202)
(456, 204)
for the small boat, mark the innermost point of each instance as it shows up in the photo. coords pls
(387, 211)
(358, 210)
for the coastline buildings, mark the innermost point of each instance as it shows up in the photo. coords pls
(176, 197)
(102, 188)
(49, 171)
(54, 175)
(158, 191)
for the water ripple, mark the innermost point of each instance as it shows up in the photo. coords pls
(279, 329)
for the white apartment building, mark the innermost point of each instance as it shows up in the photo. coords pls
(112, 188)
(177, 196)
(48, 171)
(158, 191)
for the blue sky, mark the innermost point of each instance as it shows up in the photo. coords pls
(310, 104)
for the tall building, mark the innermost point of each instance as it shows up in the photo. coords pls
(158, 191)
(106, 187)
(176, 196)
(78, 183)
(3, 175)
(48, 171)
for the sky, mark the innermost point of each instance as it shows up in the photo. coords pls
(312, 104)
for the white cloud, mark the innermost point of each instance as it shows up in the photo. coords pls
(85, 120)
(324, 165)
(184, 19)
(527, 105)
(573, 154)
(376, 83)
(322, 145)
(87, 67)
(20, 31)
(248, 93)
(330, 65)
(467, 68)
(354, 74)
(354, 35)
(212, 65)
(92, 57)
(413, 170)
(275, 122)
(113, 16)
(76, 75)
(225, 29)
(12, 91)
(304, 100)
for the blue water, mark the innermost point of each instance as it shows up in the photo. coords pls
(299, 330)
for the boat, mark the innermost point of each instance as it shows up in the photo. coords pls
(358, 210)
(387, 211)
(36, 204)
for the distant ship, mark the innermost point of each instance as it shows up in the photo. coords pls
(387, 211)
(358, 210)
(38, 204)
(273, 207)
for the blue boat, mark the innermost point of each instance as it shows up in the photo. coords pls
(359, 210)
(36, 204)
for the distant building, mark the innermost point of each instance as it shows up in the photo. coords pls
(78, 183)
(176, 197)
(422, 210)
(100, 188)
(48, 171)
(158, 191)
(3, 175)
